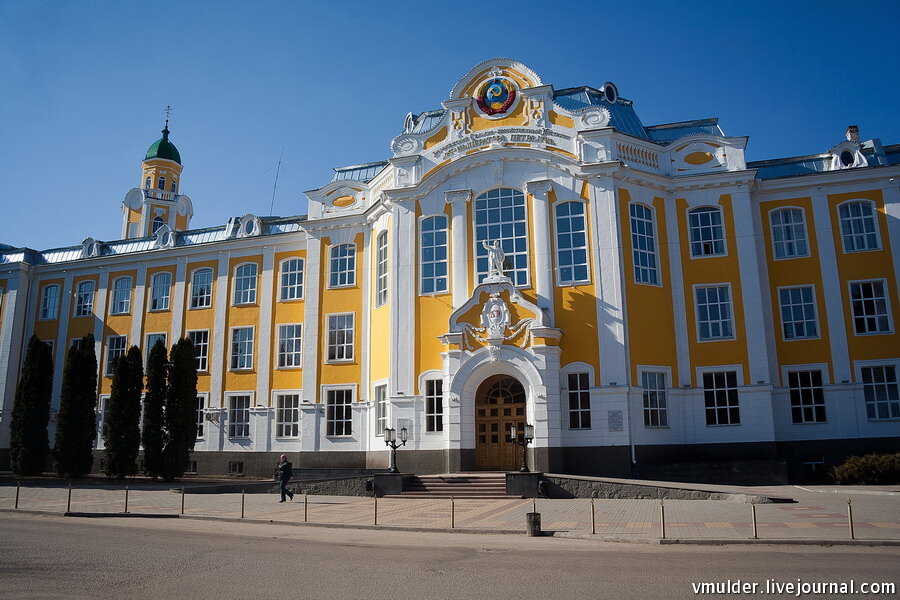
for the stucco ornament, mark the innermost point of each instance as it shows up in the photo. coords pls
(495, 316)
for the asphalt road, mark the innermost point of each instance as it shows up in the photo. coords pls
(57, 557)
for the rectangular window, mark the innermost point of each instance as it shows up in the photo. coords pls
(289, 344)
(245, 284)
(241, 348)
(50, 344)
(656, 409)
(115, 347)
(84, 299)
(720, 396)
(643, 243)
(579, 401)
(859, 228)
(807, 396)
(287, 415)
(433, 259)
(381, 269)
(160, 289)
(343, 266)
(381, 406)
(50, 302)
(881, 392)
(714, 313)
(434, 405)
(152, 338)
(239, 416)
(201, 288)
(571, 243)
(340, 337)
(788, 233)
(338, 412)
(706, 232)
(291, 279)
(870, 307)
(201, 404)
(500, 216)
(121, 303)
(798, 313)
(200, 340)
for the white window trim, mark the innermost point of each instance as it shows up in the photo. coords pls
(670, 385)
(253, 349)
(44, 289)
(112, 290)
(106, 372)
(355, 268)
(476, 243)
(75, 314)
(555, 242)
(386, 276)
(205, 406)
(212, 288)
(449, 260)
(234, 280)
(713, 369)
(274, 400)
(659, 269)
(840, 226)
(227, 423)
(724, 232)
(187, 334)
(354, 398)
(423, 389)
(887, 305)
(147, 342)
(857, 372)
(387, 407)
(275, 352)
(327, 335)
(151, 289)
(697, 312)
(805, 233)
(739, 377)
(785, 384)
(815, 311)
(302, 295)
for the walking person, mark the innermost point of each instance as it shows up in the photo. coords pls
(283, 474)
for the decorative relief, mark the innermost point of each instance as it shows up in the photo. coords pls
(495, 323)
(497, 95)
(595, 117)
(847, 155)
(405, 145)
(460, 125)
(497, 171)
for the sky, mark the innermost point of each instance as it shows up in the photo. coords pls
(326, 84)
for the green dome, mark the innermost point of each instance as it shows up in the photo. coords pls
(163, 148)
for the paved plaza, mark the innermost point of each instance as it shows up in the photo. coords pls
(818, 513)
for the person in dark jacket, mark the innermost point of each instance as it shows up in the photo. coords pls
(283, 474)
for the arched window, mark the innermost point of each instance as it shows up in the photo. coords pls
(343, 265)
(50, 302)
(433, 255)
(707, 232)
(859, 228)
(159, 291)
(245, 284)
(161, 184)
(201, 288)
(381, 269)
(571, 243)
(174, 187)
(500, 215)
(84, 299)
(643, 244)
(788, 233)
(156, 224)
(121, 303)
(147, 183)
(292, 279)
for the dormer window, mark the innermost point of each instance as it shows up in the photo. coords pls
(162, 183)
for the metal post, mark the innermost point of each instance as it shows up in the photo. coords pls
(69, 500)
(126, 498)
(662, 519)
(243, 492)
(533, 505)
(18, 485)
(376, 510)
(753, 514)
(850, 518)
(452, 513)
(593, 518)
(182, 499)
(305, 508)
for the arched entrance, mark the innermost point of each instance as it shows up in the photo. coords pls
(499, 404)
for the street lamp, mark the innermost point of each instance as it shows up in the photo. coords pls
(390, 440)
(528, 438)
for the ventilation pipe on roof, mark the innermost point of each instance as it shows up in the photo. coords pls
(853, 133)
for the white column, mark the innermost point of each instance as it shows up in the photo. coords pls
(311, 326)
(219, 342)
(459, 237)
(365, 317)
(100, 320)
(543, 265)
(12, 340)
(62, 346)
(403, 307)
(177, 304)
(673, 238)
(834, 305)
(892, 210)
(137, 306)
(610, 305)
(264, 335)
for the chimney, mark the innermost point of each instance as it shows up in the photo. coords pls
(853, 134)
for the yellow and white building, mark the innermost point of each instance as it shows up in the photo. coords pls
(662, 300)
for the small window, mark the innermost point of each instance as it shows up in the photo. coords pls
(340, 337)
(241, 348)
(433, 258)
(643, 244)
(714, 313)
(881, 392)
(235, 467)
(245, 284)
(571, 243)
(339, 416)
(869, 303)
(161, 183)
(115, 348)
(579, 401)
(201, 288)
(381, 269)
(287, 415)
(84, 299)
(807, 396)
(50, 303)
(381, 407)
(343, 266)
(798, 313)
(174, 187)
(788, 233)
(156, 224)
(720, 396)
(201, 404)
(239, 417)
(859, 227)
(147, 183)
(200, 340)
(152, 338)
(706, 232)
(121, 303)
(290, 339)
(160, 289)
(656, 409)
(292, 279)
(434, 405)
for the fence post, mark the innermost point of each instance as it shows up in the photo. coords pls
(69, 499)
(753, 515)
(850, 518)
(243, 492)
(533, 505)
(376, 509)
(593, 518)
(452, 513)
(182, 499)
(662, 519)
(126, 498)
(305, 508)
(18, 485)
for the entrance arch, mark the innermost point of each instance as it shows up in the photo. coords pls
(499, 404)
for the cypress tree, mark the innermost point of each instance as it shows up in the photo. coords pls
(76, 426)
(181, 407)
(154, 401)
(123, 415)
(29, 443)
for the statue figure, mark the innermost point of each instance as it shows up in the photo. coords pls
(495, 258)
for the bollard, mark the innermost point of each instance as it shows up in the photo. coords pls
(662, 520)
(452, 513)
(18, 485)
(126, 498)
(376, 510)
(305, 507)
(182, 499)
(243, 492)
(69, 500)
(533, 505)
(593, 518)
(753, 515)
(533, 524)
(850, 518)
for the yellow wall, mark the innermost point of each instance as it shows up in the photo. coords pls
(201, 318)
(283, 313)
(242, 316)
(116, 325)
(341, 300)
(156, 168)
(158, 321)
(380, 323)
(81, 326)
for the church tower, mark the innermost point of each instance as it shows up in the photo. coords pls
(158, 202)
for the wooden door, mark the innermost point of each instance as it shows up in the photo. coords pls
(499, 404)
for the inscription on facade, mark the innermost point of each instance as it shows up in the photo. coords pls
(520, 135)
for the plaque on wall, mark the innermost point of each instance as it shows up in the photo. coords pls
(614, 417)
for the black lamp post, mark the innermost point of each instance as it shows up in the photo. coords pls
(528, 438)
(390, 440)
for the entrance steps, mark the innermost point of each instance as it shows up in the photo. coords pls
(485, 486)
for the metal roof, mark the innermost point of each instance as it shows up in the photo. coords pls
(669, 132)
(365, 172)
(622, 114)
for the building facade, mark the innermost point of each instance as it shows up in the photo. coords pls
(641, 295)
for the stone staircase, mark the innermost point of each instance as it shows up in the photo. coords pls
(484, 486)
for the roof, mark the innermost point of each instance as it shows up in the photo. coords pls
(669, 132)
(623, 117)
(163, 148)
(364, 173)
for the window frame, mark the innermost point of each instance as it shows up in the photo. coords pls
(656, 256)
(666, 372)
(202, 367)
(708, 208)
(887, 304)
(733, 335)
(165, 299)
(84, 309)
(772, 227)
(201, 414)
(815, 307)
(381, 268)
(333, 260)
(580, 411)
(297, 353)
(870, 364)
(251, 292)
(434, 262)
(231, 342)
(193, 294)
(230, 423)
(347, 429)
(298, 273)
(148, 346)
(44, 297)
(277, 396)
(434, 406)
(113, 306)
(558, 267)
(476, 240)
(876, 229)
(382, 407)
(739, 382)
(108, 362)
(327, 339)
(786, 370)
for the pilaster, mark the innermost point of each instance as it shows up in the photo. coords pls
(137, 306)
(459, 236)
(178, 305)
(312, 293)
(543, 267)
(676, 276)
(265, 335)
(219, 338)
(62, 346)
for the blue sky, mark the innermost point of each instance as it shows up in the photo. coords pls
(85, 85)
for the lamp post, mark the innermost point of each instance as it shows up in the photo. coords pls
(390, 440)
(528, 437)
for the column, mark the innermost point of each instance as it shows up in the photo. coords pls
(100, 320)
(543, 264)
(12, 341)
(137, 306)
(313, 295)
(403, 307)
(62, 346)
(673, 237)
(178, 301)
(264, 335)
(219, 341)
(459, 245)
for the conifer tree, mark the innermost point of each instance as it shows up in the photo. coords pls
(29, 443)
(122, 429)
(76, 426)
(152, 435)
(181, 407)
